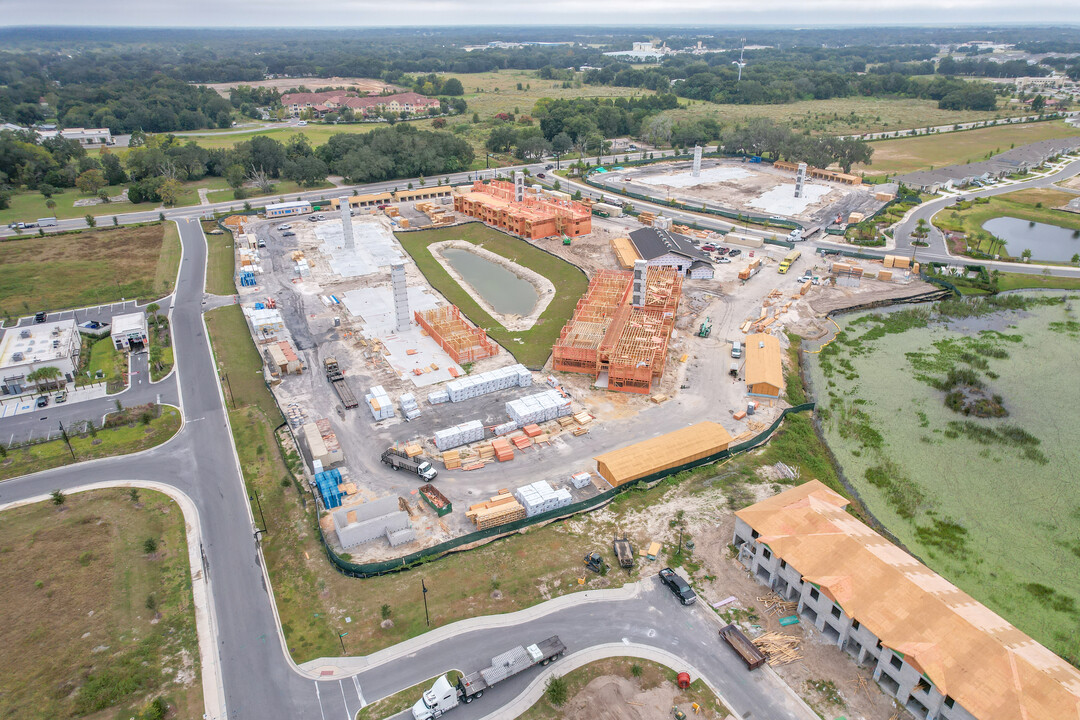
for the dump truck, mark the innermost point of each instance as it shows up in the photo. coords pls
(399, 459)
(749, 652)
(336, 378)
(624, 551)
(443, 696)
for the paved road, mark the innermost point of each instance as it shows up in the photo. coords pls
(259, 679)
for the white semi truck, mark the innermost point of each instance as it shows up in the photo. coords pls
(443, 697)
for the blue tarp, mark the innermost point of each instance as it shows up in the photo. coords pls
(328, 487)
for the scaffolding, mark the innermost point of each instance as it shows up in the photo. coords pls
(462, 341)
(607, 334)
(536, 216)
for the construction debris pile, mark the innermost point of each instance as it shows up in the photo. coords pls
(781, 649)
(462, 341)
(776, 605)
(621, 327)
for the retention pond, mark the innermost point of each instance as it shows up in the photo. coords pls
(1046, 242)
(502, 289)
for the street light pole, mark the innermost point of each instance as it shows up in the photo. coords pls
(255, 497)
(341, 637)
(66, 440)
(427, 618)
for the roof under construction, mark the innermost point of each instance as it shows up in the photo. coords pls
(763, 363)
(663, 452)
(990, 668)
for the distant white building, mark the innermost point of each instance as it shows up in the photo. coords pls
(129, 332)
(26, 349)
(85, 136)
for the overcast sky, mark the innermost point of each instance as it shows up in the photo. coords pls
(348, 13)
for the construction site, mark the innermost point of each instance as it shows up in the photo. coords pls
(530, 214)
(620, 330)
(754, 188)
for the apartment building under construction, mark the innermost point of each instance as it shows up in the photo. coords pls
(620, 330)
(527, 213)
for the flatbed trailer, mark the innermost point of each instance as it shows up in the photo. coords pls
(508, 664)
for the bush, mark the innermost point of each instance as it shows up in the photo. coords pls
(149, 545)
(556, 691)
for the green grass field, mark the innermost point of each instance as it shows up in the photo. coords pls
(221, 261)
(94, 625)
(28, 206)
(841, 116)
(531, 347)
(236, 355)
(1035, 205)
(929, 151)
(983, 501)
(88, 268)
(108, 442)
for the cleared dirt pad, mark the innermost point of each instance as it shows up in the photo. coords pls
(617, 698)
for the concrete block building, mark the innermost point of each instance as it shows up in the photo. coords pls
(382, 518)
(940, 653)
(26, 349)
(129, 332)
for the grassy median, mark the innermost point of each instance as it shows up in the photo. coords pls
(531, 347)
(221, 261)
(96, 613)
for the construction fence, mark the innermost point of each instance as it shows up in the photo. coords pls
(477, 538)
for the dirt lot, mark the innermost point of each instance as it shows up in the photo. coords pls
(366, 85)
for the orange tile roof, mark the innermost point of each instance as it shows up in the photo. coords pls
(988, 666)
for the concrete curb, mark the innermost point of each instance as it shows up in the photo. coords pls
(205, 620)
(344, 667)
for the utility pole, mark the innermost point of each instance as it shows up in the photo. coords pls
(427, 618)
(341, 637)
(66, 440)
(255, 497)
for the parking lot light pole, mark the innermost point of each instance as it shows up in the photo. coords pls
(427, 618)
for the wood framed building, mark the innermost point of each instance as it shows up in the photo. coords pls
(764, 367)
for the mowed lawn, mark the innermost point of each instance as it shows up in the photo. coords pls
(841, 116)
(531, 347)
(957, 148)
(91, 623)
(221, 260)
(30, 205)
(92, 267)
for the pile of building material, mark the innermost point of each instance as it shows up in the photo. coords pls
(483, 383)
(266, 323)
(409, 406)
(581, 479)
(249, 260)
(537, 408)
(357, 524)
(439, 396)
(646, 218)
(328, 483)
(379, 403)
(452, 459)
(463, 434)
(499, 510)
(776, 605)
(503, 451)
(282, 359)
(321, 443)
(781, 649)
(540, 497)
(505, 429)
(303, 269)
(437, 215)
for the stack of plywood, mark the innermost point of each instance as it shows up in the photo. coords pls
(564, 421)
(646, 218)
(885, 275)
(583, 418)
(521, 442)
(452, 460)
(487, 453)
(855, 217)
(531, 430)
(805, 287)
(503, 450)
(413, 449)
(499, 510)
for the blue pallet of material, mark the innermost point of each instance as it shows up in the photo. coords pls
(260, 306)
(247, 279)
(335, 299)
(327, 483)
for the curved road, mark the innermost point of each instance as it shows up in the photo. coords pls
(258, 678)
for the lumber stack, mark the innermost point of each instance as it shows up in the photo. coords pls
(452, 459)
(781, 649)
(499, 510)
(413, 449)
(532, 430)
(503, 450)
(521, 441)
(564, 421)
(583, 418)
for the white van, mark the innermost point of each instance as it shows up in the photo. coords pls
(736, 349)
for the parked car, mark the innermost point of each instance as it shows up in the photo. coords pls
(679, 587)
(708, 248)
(60, 397)
(722, 250)
(284, 227)
(549, 167)
(723, 260)
(302, 123)
(734, 251)
(287, 233)
(736, 349)
(43, 401)
(41, 317)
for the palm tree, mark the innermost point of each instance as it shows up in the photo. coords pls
(155, 355)
(153, 308)
(47, 375)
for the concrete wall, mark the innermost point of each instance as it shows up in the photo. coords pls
(372, 521)
(897, 678)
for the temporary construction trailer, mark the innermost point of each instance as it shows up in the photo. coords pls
(665, 452)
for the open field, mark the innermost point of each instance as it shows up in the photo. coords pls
(841, 116)
(88, 268)
(1018, 281)
(626, 688)
(91, 622)
(531, 347)
(895, 157)
(122, 440)
(985, 501)
(221, 261)
(29, 205)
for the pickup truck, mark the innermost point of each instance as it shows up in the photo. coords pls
(443, 697)
(679, 587)
(398, 459)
